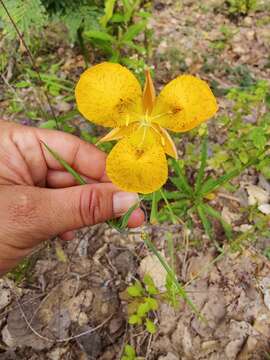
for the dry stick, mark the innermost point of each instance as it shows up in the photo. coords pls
(31, 59)
(149, 347)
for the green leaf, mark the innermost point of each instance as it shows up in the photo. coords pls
(150, 285)
(121, 224)
(129, 8)
(257, 135)
(65, 165)
(50, 124)
(143, 309)
(133, 31)
(206, 223)
(152, 303)
(125, 218)
(29, 16)
(180, 181)
(243, 156)
(138, 48)
(99, 35)
(129, 351)
(22, 84)
(212, 212)
(212, 184)
(118, 18)
(73, 20)
(134, 319)
(135, 290)
(147, 279)
(152, 290)
(154, 208)
(109, 6)
(150, 326)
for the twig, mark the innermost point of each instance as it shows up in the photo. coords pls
(149, 347)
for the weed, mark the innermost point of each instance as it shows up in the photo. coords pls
(144, 303)
(226, 34)
(129, 353)
(241, 7)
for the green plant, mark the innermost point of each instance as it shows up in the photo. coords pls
(22, 270)
(175, 288)
(129, 353)
(111, 26)
(194, 198)
(29, 16)
(247, 139)
(221, 42)
(241, 7)
(116, 36)
(143, 304)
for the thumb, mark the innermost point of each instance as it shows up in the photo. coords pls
(80, 206)
(37, 214)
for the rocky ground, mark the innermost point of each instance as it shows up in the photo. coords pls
(72, 303)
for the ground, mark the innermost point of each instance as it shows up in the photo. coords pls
(76, 288)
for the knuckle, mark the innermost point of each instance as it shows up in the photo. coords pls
(93, 206)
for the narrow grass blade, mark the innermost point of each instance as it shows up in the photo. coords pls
(171, 288)
(154, 208)
(215, 214)
(212, 184)
(173, 217)
(169, 238)
(65, 165)
(170, 195)
(205, 222)
(207, 225)
(180, 181)
(121, 224)
(201, 172)
(171, 274)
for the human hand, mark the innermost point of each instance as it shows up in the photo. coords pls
(38, 199)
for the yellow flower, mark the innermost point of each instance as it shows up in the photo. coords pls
(110, 95)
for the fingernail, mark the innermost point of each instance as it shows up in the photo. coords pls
(122, 202)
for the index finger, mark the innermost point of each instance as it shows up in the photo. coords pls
(83, 157)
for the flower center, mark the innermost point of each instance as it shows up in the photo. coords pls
(146, 121)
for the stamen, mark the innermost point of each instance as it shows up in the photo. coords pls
(160, 115)
(161, 137)
(144, 135)
(127, 119)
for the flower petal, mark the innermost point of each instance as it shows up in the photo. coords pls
(109, 94)
(119, 133)
(138, 163)
(184, 103)
(149, 94)
(167, 142)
